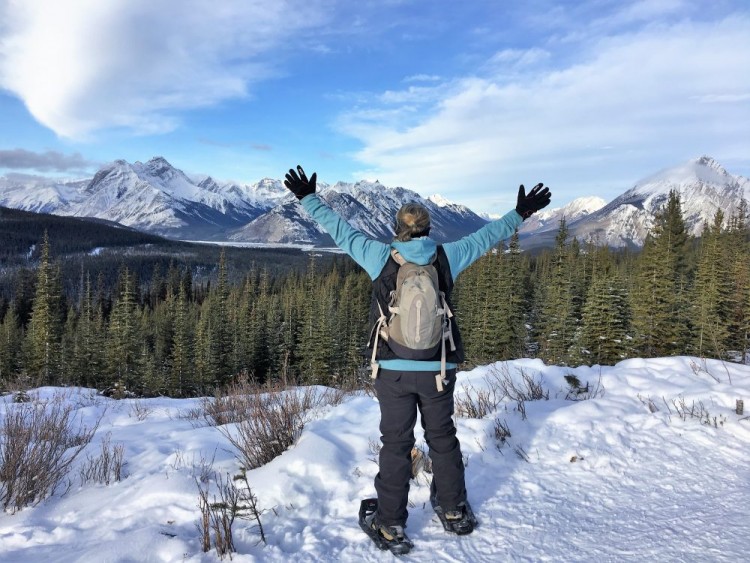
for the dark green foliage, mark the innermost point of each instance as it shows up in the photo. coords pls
(605, 320)
(555, 318)
(491, 305)
(660, 296)
(183, 320)
(43, 343)
(712, 291)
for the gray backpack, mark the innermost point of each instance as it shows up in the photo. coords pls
(418, 322)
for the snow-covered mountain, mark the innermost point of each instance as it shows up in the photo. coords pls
(153, 196)
(368, 206)
(158, 198)
(549, 219)
(704, 187)
(36, 193)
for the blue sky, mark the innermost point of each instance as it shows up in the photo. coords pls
(466, 99)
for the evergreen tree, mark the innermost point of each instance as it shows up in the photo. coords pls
(556, 320)
(221, 331)
(205, 375)
(659, 297)
(511, 326)
(712, 290)
(124, 338)
(181, 378)
(316, 341)
(606, 315)
(45, 327)
(11, 337)
(738, 258)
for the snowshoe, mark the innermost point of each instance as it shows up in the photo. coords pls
(460, 521)
(391, 538)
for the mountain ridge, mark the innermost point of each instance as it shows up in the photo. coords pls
(158, 198)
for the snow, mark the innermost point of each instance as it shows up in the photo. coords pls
(704, 169)
(439, 200)
(618, 477)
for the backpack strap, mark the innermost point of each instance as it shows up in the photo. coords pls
(396, 255)
(381, 320)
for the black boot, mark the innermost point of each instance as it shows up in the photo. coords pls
(392, 538)
(460, 520)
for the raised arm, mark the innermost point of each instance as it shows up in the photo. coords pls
(462, 253)
(368, 253)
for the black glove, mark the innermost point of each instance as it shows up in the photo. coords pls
(538, 198)
(300, 186)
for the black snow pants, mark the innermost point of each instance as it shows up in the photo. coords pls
(400, 394)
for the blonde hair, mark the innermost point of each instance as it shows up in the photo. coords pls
(413, 219)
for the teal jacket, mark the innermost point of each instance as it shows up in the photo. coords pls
(372, 254)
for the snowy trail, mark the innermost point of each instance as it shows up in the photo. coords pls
(604, 479)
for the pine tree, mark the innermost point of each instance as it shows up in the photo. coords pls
(316, 342)
(661, 323)
(711, 292)
(181, 377)
(11, 337)
(124, 336)
(606, 315)
(45, 327)
(221, 330)
(511, 326)
(556, 321)
(738, 258)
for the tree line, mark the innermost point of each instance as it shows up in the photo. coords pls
(570, 305)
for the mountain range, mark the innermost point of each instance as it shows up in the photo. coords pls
(158, 198)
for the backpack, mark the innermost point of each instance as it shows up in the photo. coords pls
(418, 322)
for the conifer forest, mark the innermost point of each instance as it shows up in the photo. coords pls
(576, 303)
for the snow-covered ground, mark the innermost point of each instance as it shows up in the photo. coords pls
(618, 477)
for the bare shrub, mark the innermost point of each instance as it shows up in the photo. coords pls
(20, 384)
(528, 389)
(40, 441)
(501, 432)
(521, 454)
(271, 419)
(699, 411)
(276, 423)
(218, 516)
(201, 468)
(239, 401)
(374, 447)
(649, 402)
(478, 403)
(140, 410)
(107, 467)
(580, 392)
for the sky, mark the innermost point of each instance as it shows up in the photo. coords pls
(466, 99)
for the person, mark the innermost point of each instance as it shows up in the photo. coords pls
(404, 386)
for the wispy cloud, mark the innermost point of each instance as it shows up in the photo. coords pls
(49, 161)
(422, 78)
(642, 93)
(84, 65)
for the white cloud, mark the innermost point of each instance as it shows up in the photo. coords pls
(642, 95)
(519, 57)
(83, 65)
(422, 78)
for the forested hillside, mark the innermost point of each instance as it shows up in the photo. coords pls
(571, 305)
